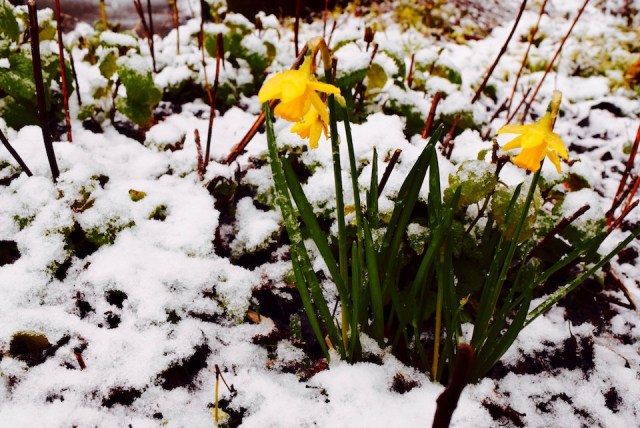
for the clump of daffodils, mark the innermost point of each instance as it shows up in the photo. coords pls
(297, 91)
(537, 140)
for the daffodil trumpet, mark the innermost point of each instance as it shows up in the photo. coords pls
(537, 140)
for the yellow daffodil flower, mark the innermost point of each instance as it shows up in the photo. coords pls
(296, 90)
(537, 140)
(311, 126)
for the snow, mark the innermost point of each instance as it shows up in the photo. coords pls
(182, 294)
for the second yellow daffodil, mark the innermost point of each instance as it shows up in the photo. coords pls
(537, 140)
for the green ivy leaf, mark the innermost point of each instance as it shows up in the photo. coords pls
(8, 22)
(108, 64)
(142, 94)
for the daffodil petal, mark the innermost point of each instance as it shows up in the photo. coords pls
(314, 136)
(553, 157)
(324, 87)
(319, 106)
(512, 129)
(530, 158)
(295, 86)
(532, 137)
(272, 88)
(294, 110)
(513, 144)
(555, 143)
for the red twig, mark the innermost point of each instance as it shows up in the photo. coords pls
(446, 149)
(325, 14)
(503, 49)
(296, 26)
(622, 216)
(555, 56)
(387, 172)
(517, 109)
(37, 76)
(63, 75)
(238, 148)
(448, 400)
(75, 76)
(432, 112)
(213, 97)
(201, 165)
(534, 31)
(148, 33)
(15, 154)
(333, 28)
(629, 165)
(410, 73)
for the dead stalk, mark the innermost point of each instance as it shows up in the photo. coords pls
(503, 49)
(201, 166)
(410, 73)
(629, 165)
(432, 113)
(213, 97)
(37, 76)
(448, 400)
(75, 76)
(16, 156)
(63, 75)
(148, 33)
(550, 65)
(447, 145)
(296, 26)
(387, 172)
(103, 15)
(532, 35)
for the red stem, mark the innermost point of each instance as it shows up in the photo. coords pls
(502, 51)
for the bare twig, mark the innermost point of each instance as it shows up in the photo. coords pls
(213, 97)
(622, 216)
(63, 75)
(15, 154)
(296, 26)
(558, 228)
(103, 15)
(608, 269)
(75, 76)
(447, 139)
(502, 51)
(175, 17)
(432, 112)
(37, 76)
(448, 400)
(201, 166)
(387, 172)
(238, 148)
(410, 73)
(550, 65)
(148, 33)
(325, 14)
(532, 36)
(517, 109)
(333, 28)
(628, 167)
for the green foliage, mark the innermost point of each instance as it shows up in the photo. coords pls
(476, 180)
(9, 27)
(142, 94)
(106, 233)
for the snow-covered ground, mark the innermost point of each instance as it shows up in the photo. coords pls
(136, 326)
